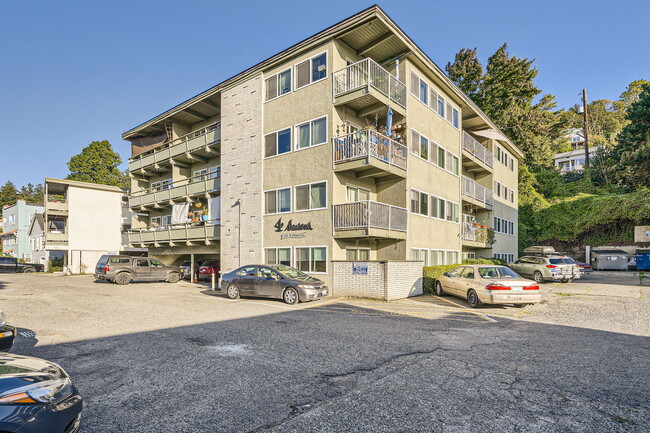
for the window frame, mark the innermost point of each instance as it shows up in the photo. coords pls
(277, 133)
(277, 84)
(295, 194)
(310, 247)
(310, 123)
(357, 249)
(310, 60)
(275, 190)
(276, 249)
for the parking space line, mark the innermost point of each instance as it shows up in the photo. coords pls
(488, 318)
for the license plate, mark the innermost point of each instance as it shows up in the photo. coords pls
(517, 289)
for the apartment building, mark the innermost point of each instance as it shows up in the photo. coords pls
(350, 145)
(81, 222)
(15, 227)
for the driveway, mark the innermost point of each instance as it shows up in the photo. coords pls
(177, 358)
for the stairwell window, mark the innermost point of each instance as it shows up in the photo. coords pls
(277, 143)
(278, 85)
(311, 196)
(311, 70)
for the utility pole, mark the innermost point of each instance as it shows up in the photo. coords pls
(586, 126)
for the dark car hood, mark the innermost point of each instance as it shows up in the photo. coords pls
(17, 371)
(306, 280)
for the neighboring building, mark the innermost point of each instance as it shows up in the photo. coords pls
(15, 228)
(575, 159)
(83, 221)
(37, 239)
(292, 161)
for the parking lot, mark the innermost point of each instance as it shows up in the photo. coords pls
(157, 357)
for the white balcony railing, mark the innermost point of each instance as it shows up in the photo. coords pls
(182, 145)
(365, 73)
(203, 231)
(471, 145)
(193, 186)
(369, 214)
(368, 143)
(478, 192)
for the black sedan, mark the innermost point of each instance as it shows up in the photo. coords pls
(273, 281)
(37, 396)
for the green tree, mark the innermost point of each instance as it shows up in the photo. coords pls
(631, 94)
(631, 156)
(31, 193)
(8, 194)
(97, 163)
(467, 72)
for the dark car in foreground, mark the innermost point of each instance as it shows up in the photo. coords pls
(7, 334)
(37, 396)
(12, 265)
(273, 281)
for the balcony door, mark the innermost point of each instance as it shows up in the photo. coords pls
(355, 194)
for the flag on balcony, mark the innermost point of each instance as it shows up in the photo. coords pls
(389, 121)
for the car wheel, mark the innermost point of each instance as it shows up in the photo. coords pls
(174, 277)
(519, 305)
(233, 292)
(439, 290)
(538, 277)
(28, 270)
(290, 296)
(122, 279)
(568, 280)
(472, 299)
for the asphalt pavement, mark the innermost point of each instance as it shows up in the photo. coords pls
(178, 358)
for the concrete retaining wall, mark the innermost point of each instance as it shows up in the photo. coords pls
(386, 280)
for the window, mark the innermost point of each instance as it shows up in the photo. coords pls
(248, 271)
(448, 113)
(504, 226)
(158, 186)
(311, 133)
(419, 88)
(420, 254)
(277, 143)
(354, 193)
(452, 257)
(278, 256)
(512, 196)
(311, 196)
(455, 166)
(441, 208)
(207, 173)
(312, 70)
(277, 201)
(441, 157)
(437, 257)
(455, 118)
(506, 257)
(361, 254)
(156, 264)
(311, 259)
(433, 99)
(455, 212)
(415, 142)
(441, 106)
(278, 85)
(424, 147)
(419, 202)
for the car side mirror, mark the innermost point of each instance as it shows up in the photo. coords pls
(446, 274)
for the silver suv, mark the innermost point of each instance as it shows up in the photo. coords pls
(547, 268)
(124, 269)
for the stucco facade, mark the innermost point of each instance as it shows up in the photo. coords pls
(16, 220)
(309, 172)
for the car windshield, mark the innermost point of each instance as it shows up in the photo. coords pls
(209, 263)
(288, 271)
(570, 259)
(560, 261)
(489, 272)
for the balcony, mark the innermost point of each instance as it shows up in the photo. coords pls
(56, 240)
(476, 235)
(204, 232)
(477, 195)
(186, 149)
(370, 154)
(367, 88)
(369, 219)
(203, 185)
(56, 205)
(476, 157)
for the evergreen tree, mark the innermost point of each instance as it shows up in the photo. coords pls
(467, 72)
(97, 163)
(8, 194)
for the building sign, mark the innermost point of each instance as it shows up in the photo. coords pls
(360, 268)
(291, 229)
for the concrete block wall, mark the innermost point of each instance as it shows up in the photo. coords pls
(241, 175)
(386, 280)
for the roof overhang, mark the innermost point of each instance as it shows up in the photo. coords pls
(59, 186)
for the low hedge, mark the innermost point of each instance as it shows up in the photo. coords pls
(431, 273)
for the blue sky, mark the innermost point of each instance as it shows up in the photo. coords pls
(77, 71)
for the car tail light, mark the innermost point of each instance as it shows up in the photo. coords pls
(551, 266)
(107, 268)
(534, 287)
(496, 287)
